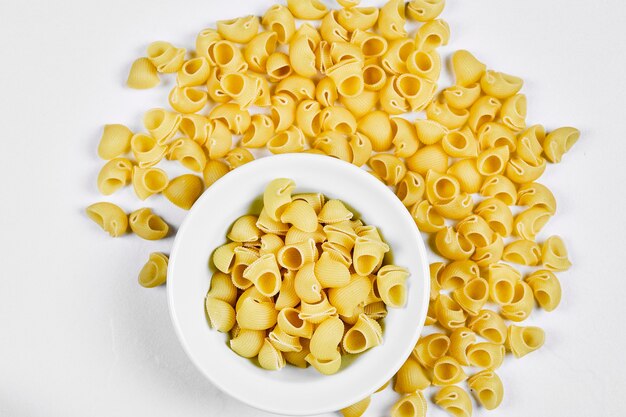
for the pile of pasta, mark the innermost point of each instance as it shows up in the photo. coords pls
(361, 86)
(303, 282)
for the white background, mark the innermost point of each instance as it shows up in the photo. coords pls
(79, 336)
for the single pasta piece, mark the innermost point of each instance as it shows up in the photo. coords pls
(523, 340)
(268, 225)
(284, 342)
(223, 288)
(432, 35)
(187, 99)
(451, 118)
(554, 254)
(326, 338)
(154, 272)
(269, 357)
(288, 141)
(341, 233)
(377, 127)
(462, 97)
(449, 313)
(454, 400)
(521, 171)
(146, 150)
(114, 175)
(307, 9)
(430, 348)
(347, 298)
(358, 18)
(500, 85)
(493, 135)
(489, 325)
(143, 74)
(459, 207)
(331, 273)
(371, 44)
(389, 167)
(220, 314)
(466, 68)
(235, 118)
(424, 64)
(472, 296)
(147, 225)
(295, 255)
(475, 229)
(487, 388)
(317, 312)
(333, 144)
(467, 175)
(411, 377)
(535, 194)
(460, 143)
(486, 355)
(429, 158)
(244, 257)
(426, 218)
(184, 190)
(205, 41)
(368, 255)
(356, 409)
(194, 72)
(256, 315)
(289, 322)
(287, 296)
(189, 153)
(500, 187)
(240, 30)
(365, 334)
(265, 274)
(244, 229)
(460, 340)
(391, 20)
(457, 274)
(429, 132)
(109, 217)
(325, 366)
(412, 405)
(424, 10)
(114, 142)
(405, 139)
(452, 245)
(279, 19)
(224, 257)
(411, 189)
(162, 124)
(447, 371)
(546, 288)
(219, 139)
(165, 56)
(246, 343)
(530, 222)
(213, 171)
(257, 51)
(348, 77)
(299, 358)
(523, 252)
(522, 304)
(391, 285)
(513, 112)
(502, 279)
(497, 215)
(493, 161)
(558, 142)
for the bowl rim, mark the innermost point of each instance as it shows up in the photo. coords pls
(423, 260)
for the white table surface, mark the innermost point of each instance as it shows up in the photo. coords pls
(80, 337)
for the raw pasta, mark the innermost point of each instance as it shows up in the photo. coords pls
(109, 217)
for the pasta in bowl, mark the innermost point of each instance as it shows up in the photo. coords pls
(293, 390)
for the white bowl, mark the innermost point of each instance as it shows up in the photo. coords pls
(293, 391)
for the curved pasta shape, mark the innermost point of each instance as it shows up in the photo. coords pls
(338, 253)
(426, 218)
(462, 97)
(432, 34)
(290, 140)
(301, 215)
(368, 255)
(244, 257)
(326, 92)
(302, 56)
(487, 389)
(237, 157)
(205, 41)
(523, 340)
(259, 132)
(484, 110)
(529, 143)
(341, 233)
(523, 252)
(430, 348)
(522, 304)
(424, 64)
(348, 77)
(287, 296)
(306, 285)
(184, 190)
(345, 51)
(147, 225)
(278, 66)
(165, 56)
(347, 298)
(338, 119)
(490, 253)
(247, 343)
(430, 158)
(405, 139)
(317, 312)
(467, 175)
(114, 175)
(235, 118)
(476, 230)
(270, 243)
(472, 296)
(357, 409)
(220, 314)
(326, 338)
(143, 74)
(294, 256)
(277, 196)
(466, 68)
(323, 60)
(452, 245)
(429, 132)
(258, 50)
(441, 188)
(358, 18)
(377, 127)
(521, 171)
(334, 144)
(362, 104)
(459, 207)
(431, 316)
(331, 273)
(146, 150)
(424, 10)
(213, 171)
(279, 19)
(268, 225)
(447, 371)
(308, 117)
(361, 148)
(331, 30)
(365, 334)
(240, 30)
(390, 168)
(154, 272)
(269, 357)
(449, 313)
(161, 124)
(194, 72)
(250, 293)
(334, 211)
(413, 405)
(500, 85)
(114, 142)
(460, 143)
(554, 254)
(241, 88)
(536, 195)
(417, 91)
(222, 288)
(375, 314)
(307, 9)
(148, 181)
(371, 44)
(391, 285)
(486, 355)
(289, 323)
(447, 116)
(214, 87)
(263, 90)
(394, 60)
(109, 217)
(497, 215)
(391, 99)
(454, 400)
(493, 161)
(457, 274)
(411, 189)
(315, 200)
(530, 222)
(490, 325)
(500, 187)
(325, 366)
(391, 20)
(546, 288)
(502, 279)
(228, 57)
(194, 126)
(297, 86)
(461, 339)
(283, 111)
(558, 142)
(189, 153)
(256, 315)
(224, 257)
(493, 135)
(264, 273)
(284, 342)
(513, 112)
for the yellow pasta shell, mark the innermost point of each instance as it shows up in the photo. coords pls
(454, 400)
(184, 190)
(356, 409)
(114, 142)
(411, 377)
(220, 314)
(412, 405)
(487, 388)
(490, 325)
(109, 217)
(148, 225)
(524, 340)
(154, 272)
(142, 75)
